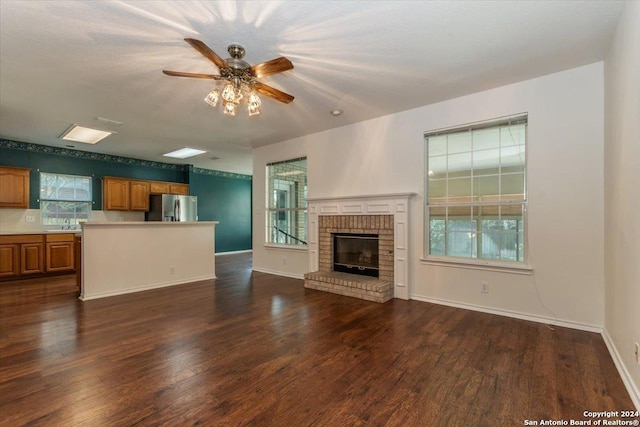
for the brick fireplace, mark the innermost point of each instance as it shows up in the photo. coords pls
(383, 216)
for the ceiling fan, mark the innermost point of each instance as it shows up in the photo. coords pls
(239, 77)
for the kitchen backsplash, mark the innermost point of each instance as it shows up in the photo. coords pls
(15, 220)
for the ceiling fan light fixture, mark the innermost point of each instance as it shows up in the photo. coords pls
(238, 78)
(230, 109)
(254, 103)
(228, 94)
(212, 97)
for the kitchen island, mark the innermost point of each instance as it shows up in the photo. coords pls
(123, 257)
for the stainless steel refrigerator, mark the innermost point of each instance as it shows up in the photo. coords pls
(169, 207)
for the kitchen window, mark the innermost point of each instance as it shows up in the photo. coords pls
(476, 194)
(65, 200)
(286, 220)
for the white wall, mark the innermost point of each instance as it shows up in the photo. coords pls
(622, 201)
(565, 185)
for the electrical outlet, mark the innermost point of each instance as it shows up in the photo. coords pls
(30, 218)
(484, 287)
(172, 270)
(637, 352)
(284, 260)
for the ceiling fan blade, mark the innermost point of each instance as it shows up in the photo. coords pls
(194, 75)
(207, 52)
(274, 66)
(272, 92)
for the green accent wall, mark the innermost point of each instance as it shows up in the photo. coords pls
(225, 199)
(222, 196)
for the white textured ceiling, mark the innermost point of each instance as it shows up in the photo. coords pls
(65, 62)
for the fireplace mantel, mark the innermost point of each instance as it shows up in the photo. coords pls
(396, 204)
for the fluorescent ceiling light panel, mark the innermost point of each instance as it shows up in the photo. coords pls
(85, 135)
(184, 153)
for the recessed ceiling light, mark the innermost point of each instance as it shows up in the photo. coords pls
(85, 135)
(184, 153)
(336, 112)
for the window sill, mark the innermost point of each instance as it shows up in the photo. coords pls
(295, 248)
(479, 265)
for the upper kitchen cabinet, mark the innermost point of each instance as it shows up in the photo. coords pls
(115, 194)
(180, 189)
(121, 194)
(159, 187)
(14, 187)
(139, 195)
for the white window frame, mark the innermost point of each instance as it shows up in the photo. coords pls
(477, 263)
(71, 223)
(293, 239)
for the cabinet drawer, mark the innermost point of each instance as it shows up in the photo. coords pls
(61, 237)
(22, 238)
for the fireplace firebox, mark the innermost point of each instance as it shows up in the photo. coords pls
(356, 254)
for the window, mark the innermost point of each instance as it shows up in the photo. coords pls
(64, 199)
(476, 196)
(287, 202)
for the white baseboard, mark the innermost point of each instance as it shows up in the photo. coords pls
(144, 288)
(514, 314)
(632, 388)
(279, 273)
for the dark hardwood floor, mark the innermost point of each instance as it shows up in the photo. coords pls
(256, 349)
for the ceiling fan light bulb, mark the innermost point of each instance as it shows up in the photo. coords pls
(229, 109)
(228, 93)
(254, 99)
(254, 110)
(212, 97)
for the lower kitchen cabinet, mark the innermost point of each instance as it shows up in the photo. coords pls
(26, 255)
(9, 259)
(31, 258)
(59, 248)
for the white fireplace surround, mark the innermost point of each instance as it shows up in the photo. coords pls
(383, 204)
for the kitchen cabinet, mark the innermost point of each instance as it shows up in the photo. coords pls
(180, 189)
(139, 195)
(59, 252)
(21, 255)
(14, 187)
(160, 187)
(121, 194)
(115, 194)
(9, 259)
(32, 258)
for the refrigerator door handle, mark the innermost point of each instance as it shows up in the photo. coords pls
(177, 213)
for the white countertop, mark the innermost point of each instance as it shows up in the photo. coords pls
(146, 223)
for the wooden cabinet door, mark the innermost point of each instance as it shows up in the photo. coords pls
(59, 255)
(115, 194)
(9, 260)
(139, 192)
(31, 258)
(181, 189)
(14, 187)
(159, 187)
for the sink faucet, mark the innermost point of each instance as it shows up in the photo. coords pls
(67, 224)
